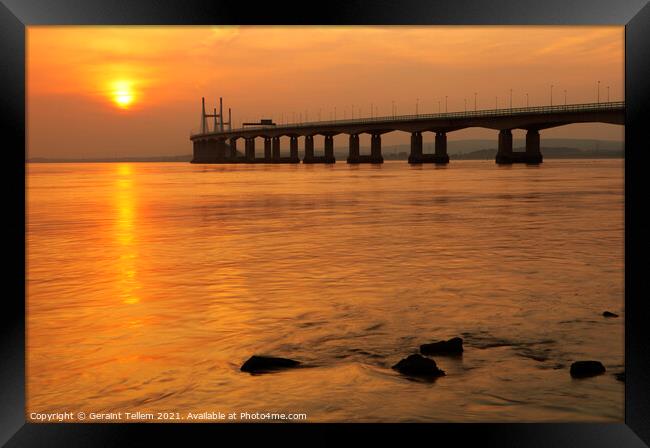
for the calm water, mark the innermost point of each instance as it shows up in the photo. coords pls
(150, 284)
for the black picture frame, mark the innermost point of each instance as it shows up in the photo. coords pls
(15, 15)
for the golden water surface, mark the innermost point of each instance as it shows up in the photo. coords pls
(149, 284)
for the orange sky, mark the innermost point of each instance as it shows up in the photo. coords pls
(135, 91)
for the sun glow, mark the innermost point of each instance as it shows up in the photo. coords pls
(122, 93)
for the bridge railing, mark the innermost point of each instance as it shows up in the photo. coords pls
(586, 107)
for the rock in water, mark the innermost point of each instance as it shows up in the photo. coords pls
(453, 346)
(418, 365)
(609, 314)
(583, 369)
(262, 364)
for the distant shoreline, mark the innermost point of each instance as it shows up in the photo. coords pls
(470, 156)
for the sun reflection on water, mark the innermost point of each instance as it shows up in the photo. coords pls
(125, 235)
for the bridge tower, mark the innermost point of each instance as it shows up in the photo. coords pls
(209, 148)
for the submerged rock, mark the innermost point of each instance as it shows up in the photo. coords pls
(418, 365)
(609, 314)
(583, 369)
(453, 346)
(262, 364)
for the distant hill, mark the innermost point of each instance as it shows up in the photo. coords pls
(548, 153)
(454, 147)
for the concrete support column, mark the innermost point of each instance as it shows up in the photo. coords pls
(533, 151)
(532, 141)
(196, 151)
(416, 148)
(276, 149)
(440, 154)
(504, 151)
(353, 156)
(233, 148)
(293, 149)
(220, 146)
(267, 149)
(505, 141)
(329, 149)
(441, 144)
(309, 149)
(250, 149)
(375, 145)
(209, 150)
(375, 149)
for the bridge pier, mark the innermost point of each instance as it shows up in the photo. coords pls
(309, 149)
(533, 152)
(353, 156)
(210, 151)
(220, 146)
(439, 156)
(375, 149)
(329, 149)
(505, 154)
(197, 151)
(207, 153)
(250, 150)
(416, 148)
(233, 148)
(276, 149)
(267, 150)
(504, 149)
(277, 157)
(293, 150)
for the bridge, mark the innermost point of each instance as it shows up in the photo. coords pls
(220, 144)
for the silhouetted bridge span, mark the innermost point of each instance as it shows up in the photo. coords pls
(221, 146)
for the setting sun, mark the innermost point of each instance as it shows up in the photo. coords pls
(122, 93)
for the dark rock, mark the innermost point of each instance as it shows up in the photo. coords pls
(453, 346)
(609, 314)
(620, 376)
(583, 369)
(418, 365)
(262, 364)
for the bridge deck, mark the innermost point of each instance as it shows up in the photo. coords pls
(448, 117)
